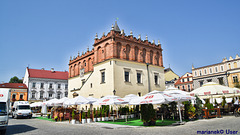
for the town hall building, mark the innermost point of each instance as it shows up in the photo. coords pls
(118, 64)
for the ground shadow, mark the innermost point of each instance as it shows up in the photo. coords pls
(16, 129)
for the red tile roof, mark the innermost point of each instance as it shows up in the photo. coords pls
(13, 85)
(39, 73)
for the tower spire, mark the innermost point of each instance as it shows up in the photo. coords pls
(115, 27)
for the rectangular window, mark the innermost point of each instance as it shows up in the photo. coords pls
(222, 68)
(156, 79)
(34, 85)
(220, 81)
(216, 69)
(235, 79)
(50, 86)
(210, 70)
(201, 83)
(66, 94)
(195, 73)
(58, 96)
(21, 96)
(13, 96)
(126, 76)
(183, 87)
(59, 86)
(139, 78)
(41, 95)
(188, 79)
(42, 85)
(189, 88)
(50, 95)
(200, 73)
(66, 86)
(103, 77)
(209, 80)
(33, 95)
(205, 71)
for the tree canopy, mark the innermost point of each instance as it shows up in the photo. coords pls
(15, 80)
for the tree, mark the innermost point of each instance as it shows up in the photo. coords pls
(15, 80)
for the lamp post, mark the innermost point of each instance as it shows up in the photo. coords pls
(114, 92)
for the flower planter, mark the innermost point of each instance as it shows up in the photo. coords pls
(94, 119)
(103, 118)
(111, 118)
(106, 118)
(122, 116)
(88, 120)
(83, 121)
(98, 119)
(73, 121)
(132, 116)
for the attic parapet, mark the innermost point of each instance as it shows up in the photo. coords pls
(114, 34)
(82, 56)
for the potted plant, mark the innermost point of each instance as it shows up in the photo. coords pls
(48, 116)
(73, 117)
(199, 108)
(148, 114)
(88, 116)
(83, 117)
(191, 112)
(98, 115)
(103, 114)
(55, 118)
(94, 115)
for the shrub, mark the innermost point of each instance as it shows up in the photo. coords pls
(186, 108)
(73, 114)
(148, 113)
(83, 115)
(198, 106)
(89, 113)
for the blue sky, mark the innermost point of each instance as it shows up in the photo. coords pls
(44, 34)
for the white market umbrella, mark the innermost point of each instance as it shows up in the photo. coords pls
(180, 98)
(154, 97)
(76, 101)
(60, 101)
(110, 101)
(130, 97)
(51, 102)
(91, 100)
(212, 88)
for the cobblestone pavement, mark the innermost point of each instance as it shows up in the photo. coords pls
(43, 127)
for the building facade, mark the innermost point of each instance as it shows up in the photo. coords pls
(225, 73)
(185, 82)
(18, 91)
(46, 84)
(170, 77)
(117, 64)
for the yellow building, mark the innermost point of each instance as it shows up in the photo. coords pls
(233, 71)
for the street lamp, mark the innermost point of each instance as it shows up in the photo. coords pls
(114, 92)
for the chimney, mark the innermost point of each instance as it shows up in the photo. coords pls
(52, 69)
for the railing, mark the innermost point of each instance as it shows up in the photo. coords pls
(208, 113)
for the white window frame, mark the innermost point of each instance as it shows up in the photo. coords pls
(222, 68)
(129, 75)
(101, 79)
(141, 74)
(216, 69)
(210, 70)
(205, 71)
(158, 77)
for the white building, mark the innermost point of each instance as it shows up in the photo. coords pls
(118, 64)
(46, 84)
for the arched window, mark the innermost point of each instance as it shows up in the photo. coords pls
(144, 55)
(79, 67)
(136, 50)
(127, 51)
(157, 58)
(89, 64)
(119, 46)
(107, 47)
(99, 52)
(229, 66)
(151, 57)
